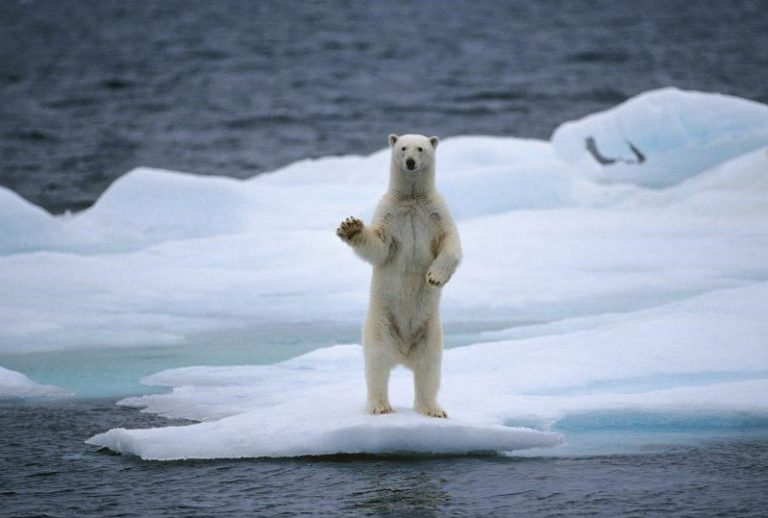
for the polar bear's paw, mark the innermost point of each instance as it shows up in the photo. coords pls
(437, 276)
(349, 228)
(433, 410)
(380, 408)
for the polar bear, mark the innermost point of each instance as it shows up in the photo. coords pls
(414, 248)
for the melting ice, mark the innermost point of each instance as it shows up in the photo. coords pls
(607, 292)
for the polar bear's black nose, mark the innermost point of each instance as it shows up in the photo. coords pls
(410, 164)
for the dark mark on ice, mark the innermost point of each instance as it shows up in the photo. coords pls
(591, 146)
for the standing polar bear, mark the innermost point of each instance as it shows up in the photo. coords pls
(414, 248)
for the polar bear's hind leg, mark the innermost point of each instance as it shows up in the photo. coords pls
(378, 365)
(426, 377)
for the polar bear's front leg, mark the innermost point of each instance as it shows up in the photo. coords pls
(372, 245)
(446, 262)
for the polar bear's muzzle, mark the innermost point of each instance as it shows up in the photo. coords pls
(410, 164)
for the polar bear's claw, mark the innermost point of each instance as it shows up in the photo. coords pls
(349, 228)
(432, 411)
(379, 409)
(437, 278)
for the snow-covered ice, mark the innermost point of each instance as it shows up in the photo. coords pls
(678, 134)
(589, 288)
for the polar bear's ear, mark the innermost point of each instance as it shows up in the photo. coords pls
(434, 141)
(392, 139)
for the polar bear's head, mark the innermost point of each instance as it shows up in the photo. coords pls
(413, 153)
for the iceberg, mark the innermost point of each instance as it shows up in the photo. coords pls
(591, 291)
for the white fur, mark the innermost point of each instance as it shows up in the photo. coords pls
(414, 248)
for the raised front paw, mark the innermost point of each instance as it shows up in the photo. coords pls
(349, 228)
(431, 410)
(437, 276)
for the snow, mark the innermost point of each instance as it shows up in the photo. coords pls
(586, 290)
(14, 385)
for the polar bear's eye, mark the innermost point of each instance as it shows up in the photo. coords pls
(420, 149)
(403, 148)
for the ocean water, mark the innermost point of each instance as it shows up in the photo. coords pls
(46, 470)
(91, 89)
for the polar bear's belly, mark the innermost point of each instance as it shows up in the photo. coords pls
(415, 237)
(409, 303)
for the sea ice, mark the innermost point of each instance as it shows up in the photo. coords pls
(590, 288)
(320, 419)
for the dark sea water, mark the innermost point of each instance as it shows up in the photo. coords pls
(92, 88)
(46, 470)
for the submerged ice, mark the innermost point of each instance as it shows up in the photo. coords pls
(14, 384)
(595, 291)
